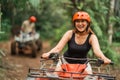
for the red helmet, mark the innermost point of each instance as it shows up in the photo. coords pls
(32, 19)
(81, 15)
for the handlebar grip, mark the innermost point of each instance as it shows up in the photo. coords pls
(53, 56)
(100, 61)
(112, 63)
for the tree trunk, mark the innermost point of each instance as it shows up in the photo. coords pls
(117, 8)
(110, 26)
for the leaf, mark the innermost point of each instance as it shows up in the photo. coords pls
(97, 28)
(35, 3)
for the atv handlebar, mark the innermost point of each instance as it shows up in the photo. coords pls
(99, 62)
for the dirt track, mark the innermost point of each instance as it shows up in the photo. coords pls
(16, 67)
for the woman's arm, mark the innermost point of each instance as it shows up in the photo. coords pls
(58, 48)
(96, 49)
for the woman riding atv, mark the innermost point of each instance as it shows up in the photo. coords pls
(80, 40)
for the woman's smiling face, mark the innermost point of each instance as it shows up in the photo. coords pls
(81, 25)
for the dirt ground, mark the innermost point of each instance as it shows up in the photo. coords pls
(16, 67)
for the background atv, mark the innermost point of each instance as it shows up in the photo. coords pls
(26, 44)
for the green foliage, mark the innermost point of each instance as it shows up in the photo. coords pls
(116, 46)
(5, 30)
(60, 32)
(100, 18)
(96, 28)
(111, 54)
(54, 16)
(109, 51)
(35, 3)
(116, 35)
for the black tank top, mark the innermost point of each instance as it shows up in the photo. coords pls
(77, 51)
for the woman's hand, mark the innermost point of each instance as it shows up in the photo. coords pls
(106, 61)
(45, 55)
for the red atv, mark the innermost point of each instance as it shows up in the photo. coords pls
(69, 71)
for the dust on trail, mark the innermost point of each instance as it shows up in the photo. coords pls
(16, 67)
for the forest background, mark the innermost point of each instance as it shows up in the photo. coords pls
(54, 18)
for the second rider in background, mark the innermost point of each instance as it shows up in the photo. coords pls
(28, 26)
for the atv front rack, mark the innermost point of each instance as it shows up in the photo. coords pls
(41, 73)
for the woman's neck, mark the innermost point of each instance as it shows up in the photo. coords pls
(82, 33)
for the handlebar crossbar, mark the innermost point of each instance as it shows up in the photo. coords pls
(55, 57)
